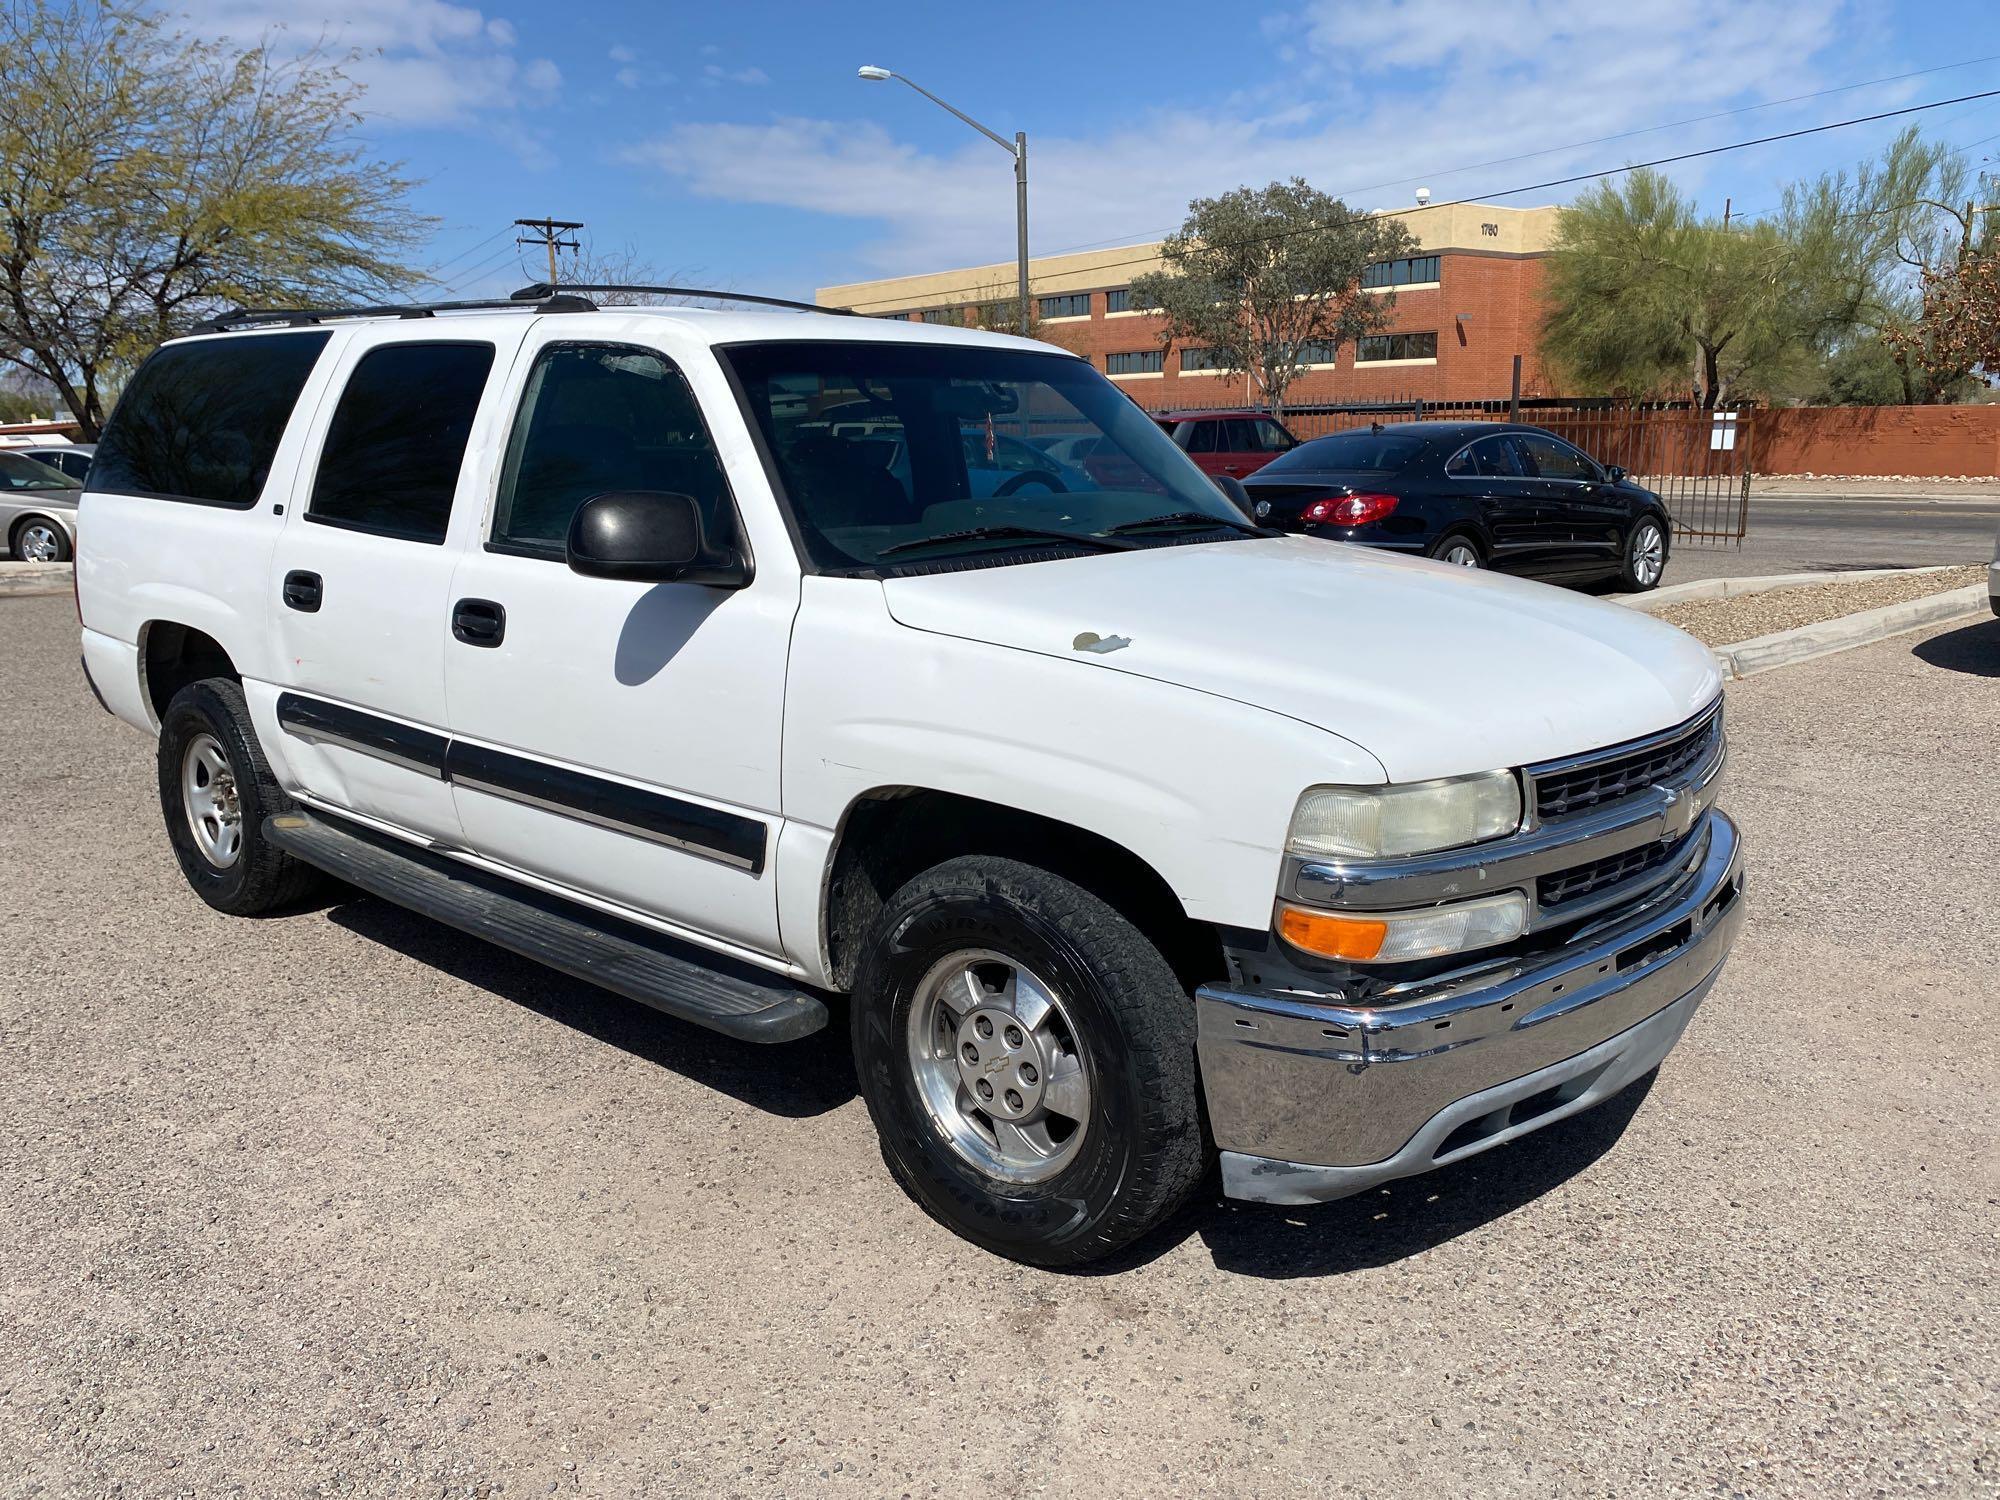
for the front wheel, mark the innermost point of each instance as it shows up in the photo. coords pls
(1028, 1059)
(1645, 556)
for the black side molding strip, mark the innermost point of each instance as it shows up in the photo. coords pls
(713, 834)
(312, 719)
(707, 831)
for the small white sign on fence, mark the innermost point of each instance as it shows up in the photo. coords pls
(1722, 434)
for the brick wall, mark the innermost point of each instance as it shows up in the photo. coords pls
(1484, 310)
(1932, 442)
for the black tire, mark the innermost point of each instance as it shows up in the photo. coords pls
(1141, 1151)
(1455, 539)
(60, 538)
(1631, 574)
(262, 878)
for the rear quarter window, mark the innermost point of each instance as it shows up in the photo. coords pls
(201, 420)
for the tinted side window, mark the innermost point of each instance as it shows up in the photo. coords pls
(397, 439)
(201, 420)
(1270, 436)
(1201, 436)
(1550, 459)
(598, 417)
(1495, 458)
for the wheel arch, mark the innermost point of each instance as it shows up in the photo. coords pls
(28, 517)
(890, 833)
(172, 655)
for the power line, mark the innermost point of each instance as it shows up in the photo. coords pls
(485, 267)
(469, 250)
(1502, 161)
(1553, 182)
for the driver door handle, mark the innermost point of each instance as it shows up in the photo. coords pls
(302, 591)
(478, 622)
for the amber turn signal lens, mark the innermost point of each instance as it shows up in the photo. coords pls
(1330, 936)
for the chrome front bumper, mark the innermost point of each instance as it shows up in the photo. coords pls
(1310, 1098)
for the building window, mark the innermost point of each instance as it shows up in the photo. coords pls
(898, 317)
(1193, 360)
(1411, 270)
(1318, 352)
(1118, 299)
(1377, 348)
(1141, 362)
(949, 315)
(1069, 305)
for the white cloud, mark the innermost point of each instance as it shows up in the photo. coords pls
(714, 73)
(1377, 97)
(622, 54)
(423, 62)
(627, 78)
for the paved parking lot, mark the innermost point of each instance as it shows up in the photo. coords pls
(1809, 533)
(341, 1203)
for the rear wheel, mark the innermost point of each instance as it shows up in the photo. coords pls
(1458, 549)
(216, 789)
(40, 540)
(1645, 556)
(1028, 1059)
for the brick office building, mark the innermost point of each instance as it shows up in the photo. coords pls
(1465, 305)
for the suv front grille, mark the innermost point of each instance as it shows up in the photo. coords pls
(1564, 886)
(1578, 788)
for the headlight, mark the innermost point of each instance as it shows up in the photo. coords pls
(1417, 817)
(1399, 936)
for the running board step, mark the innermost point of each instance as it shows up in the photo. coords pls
(706, 988)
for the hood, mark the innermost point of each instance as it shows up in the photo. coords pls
(1435, 670)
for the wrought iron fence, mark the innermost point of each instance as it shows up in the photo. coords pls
(1697, 460)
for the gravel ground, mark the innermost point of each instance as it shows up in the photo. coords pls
(342, 1203)
(1726, 622)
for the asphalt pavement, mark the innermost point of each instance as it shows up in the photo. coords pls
(1810, 533)
(339, 1202)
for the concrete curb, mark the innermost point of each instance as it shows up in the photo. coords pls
(1784, 647)
(1730, 588)
(18, 578)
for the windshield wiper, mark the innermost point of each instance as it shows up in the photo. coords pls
(1010, 533)
(1187, 520)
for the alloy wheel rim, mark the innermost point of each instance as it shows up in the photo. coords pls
(1649, 554)
(998, 1065)
(209, 796)
(1461, 555)
(38, 542)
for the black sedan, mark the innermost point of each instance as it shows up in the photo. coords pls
(1479, 494)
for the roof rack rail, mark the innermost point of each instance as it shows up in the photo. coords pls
(544, 289)
(300, 317)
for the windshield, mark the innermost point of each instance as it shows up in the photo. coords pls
(1362, 448)
(930, 452)
(21, 473)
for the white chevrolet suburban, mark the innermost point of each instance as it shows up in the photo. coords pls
(738, 661)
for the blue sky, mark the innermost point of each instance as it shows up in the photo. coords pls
(733, 145)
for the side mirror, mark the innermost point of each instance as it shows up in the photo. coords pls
(1615, 474)
(1231, 486)
(650, 536)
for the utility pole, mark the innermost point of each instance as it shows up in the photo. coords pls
(552, 234)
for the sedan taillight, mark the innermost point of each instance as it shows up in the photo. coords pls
(1349, 510)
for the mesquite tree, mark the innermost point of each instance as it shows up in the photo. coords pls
(1268, 281)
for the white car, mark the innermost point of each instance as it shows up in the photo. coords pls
(1132, 833)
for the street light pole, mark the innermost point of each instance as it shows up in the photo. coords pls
(1016, 148)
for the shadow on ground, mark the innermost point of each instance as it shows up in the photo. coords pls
(794, 1079)
(1973, 649)
(801, 1079)
(1402, 1219)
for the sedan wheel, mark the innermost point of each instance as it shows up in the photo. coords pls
(1645, 556)
(40, 541)
(1459, 553)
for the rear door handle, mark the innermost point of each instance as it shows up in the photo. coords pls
(302, 591)
(478, 622)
